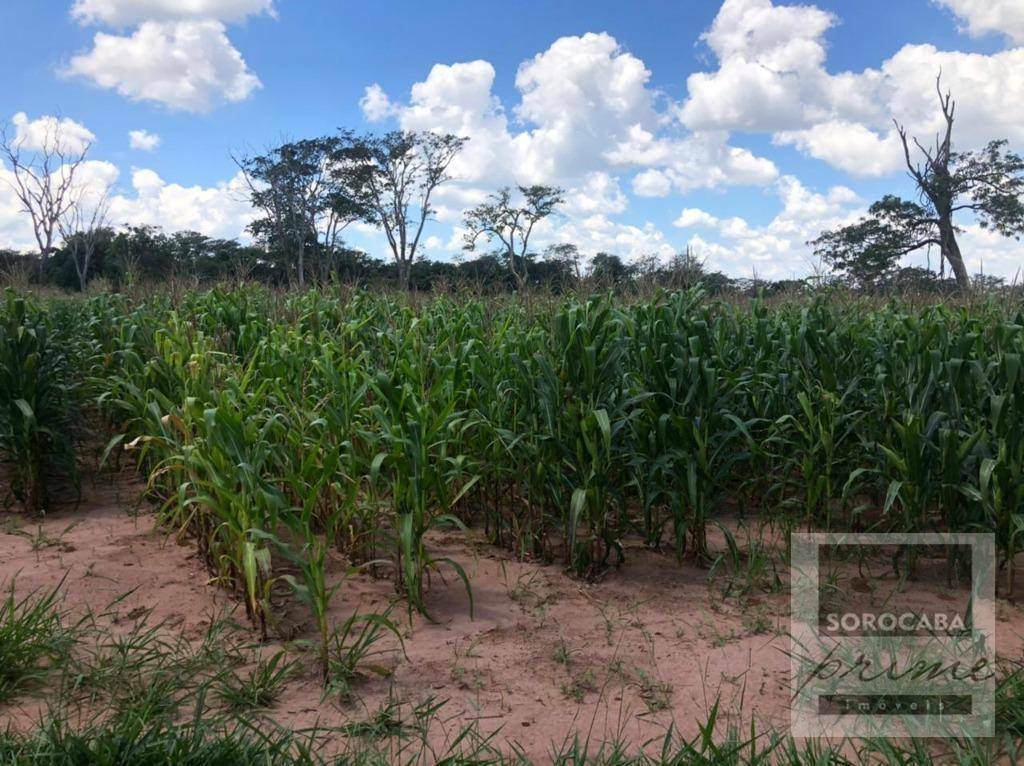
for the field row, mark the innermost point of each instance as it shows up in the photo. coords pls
(274, 428)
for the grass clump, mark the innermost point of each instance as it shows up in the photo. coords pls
(33, 638)
(261, 686)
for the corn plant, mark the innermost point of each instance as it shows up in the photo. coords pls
(280, 431)
(36, 392)
(912, 461)
(582, 390)
(820, 445)
(227, 496)
(1000, 485)
(418, 473)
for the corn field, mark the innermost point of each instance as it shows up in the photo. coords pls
(274, 427)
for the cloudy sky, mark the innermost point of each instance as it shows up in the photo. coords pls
(740, 128)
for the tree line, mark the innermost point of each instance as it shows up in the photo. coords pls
(308, 192)
(137, 255)
(133, 255)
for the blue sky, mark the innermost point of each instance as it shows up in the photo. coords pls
(803, 92)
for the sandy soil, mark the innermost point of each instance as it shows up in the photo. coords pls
(650, 646)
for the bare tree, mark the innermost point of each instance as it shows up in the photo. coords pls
(988, 182)
(43, 175)
(511, 224)
(395, 175)
(82, 226)
(934, 181)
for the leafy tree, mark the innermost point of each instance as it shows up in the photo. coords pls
(989, 183)
(609, 269)
(191, 254)
(915, 279)
(425, 275)
(9, 257)
(686, 269)
(682, 271)
(350, 266)
(140, 251)
(393, 178)
(486, 273)
(81, 257)
(868, 252)
(186, 253)
(511, 223)
(568, 259)
(717, 283)
(304, 190)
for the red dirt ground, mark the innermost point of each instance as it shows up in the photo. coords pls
(650, 646)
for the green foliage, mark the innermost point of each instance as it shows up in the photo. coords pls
(867, 252)
(988, 184)
(36, 399)
(306, 199)
(511, 224)
(352, 648)
(32, 637)
(289, 427)
(261, 686)
(392, 178)
(152, 693)
(296, 436)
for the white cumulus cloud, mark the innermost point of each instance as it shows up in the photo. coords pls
(703, 159)
(849, 146)
(121, 13)
(375, 104)
(692, 216)
(585, 106)
(91, 180)
(50, 132)
(772, 78)
(779, 248)
(586, 115)
(186, 65)
(222, 210)
(457, 99)
(15, 228)
(652, 183)
(771, 69)
(143, 140)
(599, 233)
(598, 193)
(582, 95)
(980, 17)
